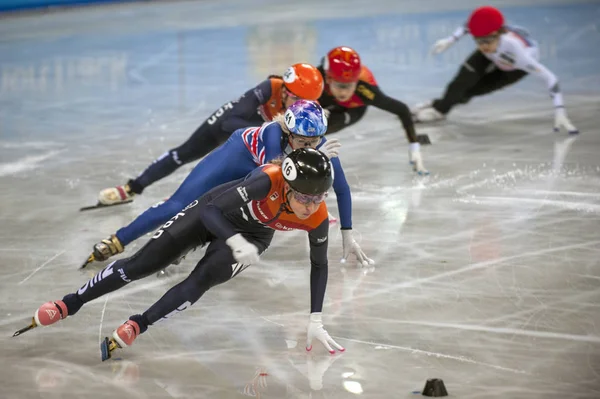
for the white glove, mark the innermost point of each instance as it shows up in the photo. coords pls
(316, 330)
(561, 120)
(350, 245)
(331, 148)
(326, 112)
(443, 44)
(415, 159)
(244, 252)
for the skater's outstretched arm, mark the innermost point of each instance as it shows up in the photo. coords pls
(318, 239)
(342, 193)
(344, 200)
(444, 43)
(318, 283)
(525, 61)
(460, 32)
(379, 99)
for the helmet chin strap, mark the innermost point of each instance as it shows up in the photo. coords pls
(284, 207)
(286, 140)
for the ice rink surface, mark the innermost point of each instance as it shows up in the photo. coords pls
(487, 273)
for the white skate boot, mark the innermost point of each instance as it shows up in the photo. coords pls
(424, 112)
(115, 195)
(415, 159)
(420, 106)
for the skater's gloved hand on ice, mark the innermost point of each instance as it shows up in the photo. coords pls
(443, 44)
(561, 120)
(350, 246)
(317, 331)
(244, 252)
(331, 148)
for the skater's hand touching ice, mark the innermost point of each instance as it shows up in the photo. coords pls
(350, 246)
(316, 331)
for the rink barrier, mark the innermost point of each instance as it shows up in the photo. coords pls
(15, 5)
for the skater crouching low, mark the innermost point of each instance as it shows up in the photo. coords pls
(237, 220)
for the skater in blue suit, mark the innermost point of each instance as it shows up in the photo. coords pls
(303, 125)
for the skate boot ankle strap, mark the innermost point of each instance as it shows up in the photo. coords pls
(107, 247)
(115, 195)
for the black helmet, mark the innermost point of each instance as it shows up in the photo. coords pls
(308, 171)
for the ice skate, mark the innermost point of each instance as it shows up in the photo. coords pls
(118, 195)
(103, 250)
(122, 337)
(423, 139)
(115, 195)
(427, 114)
(47, 314)
(420, 106)
(416, 161)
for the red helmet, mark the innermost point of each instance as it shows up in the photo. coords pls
(304, 81)
(485, 21)
(342, 64)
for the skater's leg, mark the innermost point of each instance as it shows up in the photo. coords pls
(201, 142)
(216, 267)
(493, 81)
(161, 251)
(467, 77)
(215, 169)
(154, 256)
(206, 138)
(167, 245)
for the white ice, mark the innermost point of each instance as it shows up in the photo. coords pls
(487, 271)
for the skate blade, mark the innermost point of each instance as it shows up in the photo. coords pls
(89, 260)
(107, 347)
(25, 329)
(423, 139)
(101, 205)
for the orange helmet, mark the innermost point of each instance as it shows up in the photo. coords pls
(304, 81)
(342, 64)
